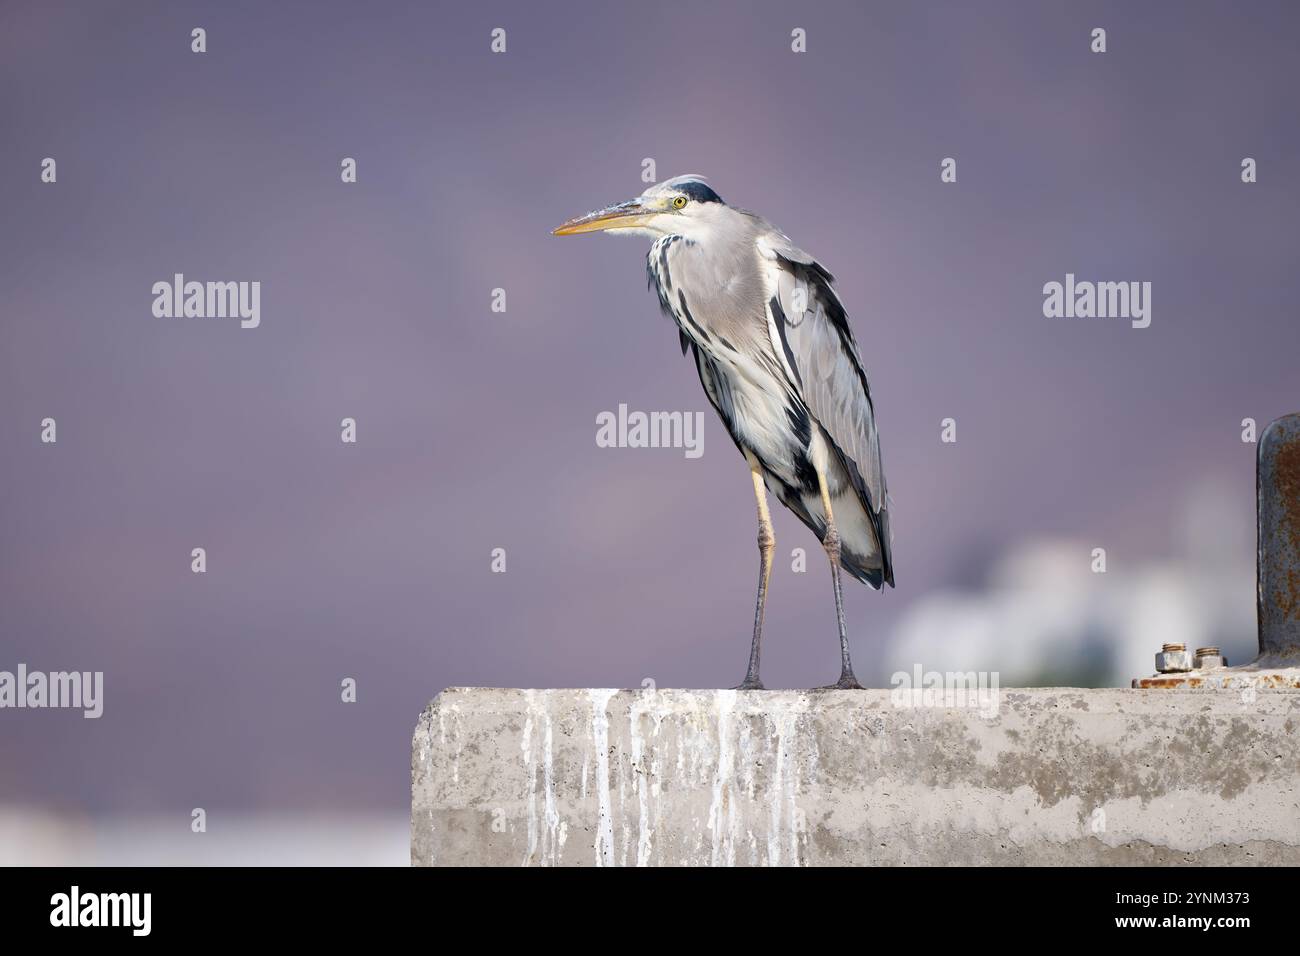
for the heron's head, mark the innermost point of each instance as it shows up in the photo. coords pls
(683, 206)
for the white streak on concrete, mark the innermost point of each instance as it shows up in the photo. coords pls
(526, 745)
(722, 810)
(553, 844)
(622, 806)
(454, 709)
(644, 832)
(604, 844)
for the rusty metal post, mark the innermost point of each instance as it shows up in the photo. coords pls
(1278, 490)
(1277, 582)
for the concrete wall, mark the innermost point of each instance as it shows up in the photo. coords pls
(1038, 776)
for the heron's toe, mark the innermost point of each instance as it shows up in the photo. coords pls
(846, 682)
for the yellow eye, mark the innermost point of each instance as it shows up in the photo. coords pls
(679, 202)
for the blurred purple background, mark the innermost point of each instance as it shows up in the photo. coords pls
(477, 430)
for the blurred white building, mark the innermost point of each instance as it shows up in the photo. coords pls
(34, 837)
(1046, 618)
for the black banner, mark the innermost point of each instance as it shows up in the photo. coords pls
(335, 905)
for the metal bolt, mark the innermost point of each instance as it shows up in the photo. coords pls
(1208, 658)
(1173, 659)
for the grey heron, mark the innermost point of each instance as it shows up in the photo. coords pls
(779, 363)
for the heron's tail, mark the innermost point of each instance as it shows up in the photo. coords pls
(873, 576)
(861, 552)
(875, 569)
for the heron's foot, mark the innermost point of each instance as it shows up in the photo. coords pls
(750, 683)
(846, 682)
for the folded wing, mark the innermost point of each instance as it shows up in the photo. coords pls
(810, 330)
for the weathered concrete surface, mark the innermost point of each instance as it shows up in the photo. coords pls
(672, 777)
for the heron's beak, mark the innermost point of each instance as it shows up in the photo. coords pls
(622, 215)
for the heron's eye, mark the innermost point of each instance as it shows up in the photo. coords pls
(679, 202)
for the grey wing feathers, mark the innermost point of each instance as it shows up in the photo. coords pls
(818, 345)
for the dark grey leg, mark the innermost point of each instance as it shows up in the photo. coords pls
(831, 543)
(766, 548)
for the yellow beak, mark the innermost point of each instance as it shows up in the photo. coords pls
(620, 216)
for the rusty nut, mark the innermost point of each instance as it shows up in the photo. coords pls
(1208, 658)
(1173, 659)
